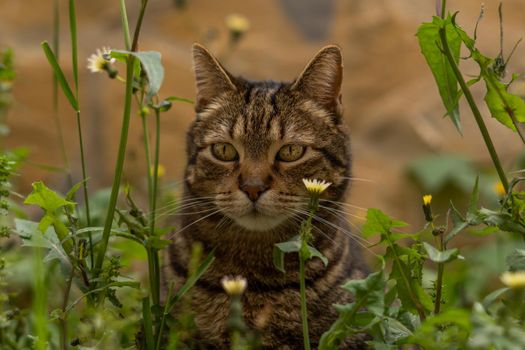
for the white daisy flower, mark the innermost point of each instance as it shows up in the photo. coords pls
(98, 62)
(315, 186)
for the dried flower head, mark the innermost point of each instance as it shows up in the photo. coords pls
(514, 279)
(315, 186)
(234, 285)
(98, 62)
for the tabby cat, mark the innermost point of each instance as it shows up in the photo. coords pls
(248, 150)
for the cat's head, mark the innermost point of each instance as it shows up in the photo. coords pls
(253, 142)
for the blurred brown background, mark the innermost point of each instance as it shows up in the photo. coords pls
(393, 108)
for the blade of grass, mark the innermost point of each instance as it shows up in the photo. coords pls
(74, 62)
(190, 282)
(60, 75)
(125, 25)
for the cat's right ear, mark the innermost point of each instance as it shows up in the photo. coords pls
(211, 77)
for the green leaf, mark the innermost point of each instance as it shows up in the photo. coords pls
(46, 198)
(152, 65)
(179, 99)
(32, 236)
(436, 172)
(369, 293)
(428, 36)
(314, 253)
(440, 256)
(448, 330)
(372, 288)
(516, 260)
(60, 75)
(279, 249)
(492, 297)
(501, 103)
(459, 223)
(379, 222)
(190, 282)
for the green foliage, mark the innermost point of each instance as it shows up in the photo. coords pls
(428, 36)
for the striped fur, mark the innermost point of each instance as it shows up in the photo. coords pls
(258, 118)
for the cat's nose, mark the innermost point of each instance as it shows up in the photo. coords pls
(254, 188)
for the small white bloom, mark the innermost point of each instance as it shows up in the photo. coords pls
(513, 279)
(315, 186)
(234, 285)
(98, 62)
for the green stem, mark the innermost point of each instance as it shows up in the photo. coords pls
(155, 279)
(84, 185)
(163, 319)
(439, 281)
(304, 311)
(148, 325)
(475, 110)
(118, 167)
(125, 25)
(74, 63)
(420, 309)
(122, 145)
(63, 319)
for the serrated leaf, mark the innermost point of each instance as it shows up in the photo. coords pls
(372, 288)
(429, 39)
(45, 198)
(367, 292)
(379, 222)
(501, 103)
(438, 256)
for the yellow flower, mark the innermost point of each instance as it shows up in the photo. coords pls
(161, 170)
(98, 62)
(499, 189)
(513, 279)
(315, 186)
(427, 199)
(234, 285)
(237, 23)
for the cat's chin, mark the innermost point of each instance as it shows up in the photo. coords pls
(259, 222)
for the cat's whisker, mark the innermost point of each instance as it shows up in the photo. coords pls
(188, 213)
(194, 222)
(185, 211)
(343, 204)
(178, 201)
(341, 213)
(358, 179)
(342, 229)
(178, 206)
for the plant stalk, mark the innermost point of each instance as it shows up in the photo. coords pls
(439, 281)
(475, 110)
(122, 146)
(304, 311)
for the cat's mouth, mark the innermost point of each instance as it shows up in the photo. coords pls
(256, 220)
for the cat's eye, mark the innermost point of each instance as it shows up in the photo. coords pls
(224, 151)
(290, 153)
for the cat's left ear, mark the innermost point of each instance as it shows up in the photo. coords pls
(321, 79)
(211, 77)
